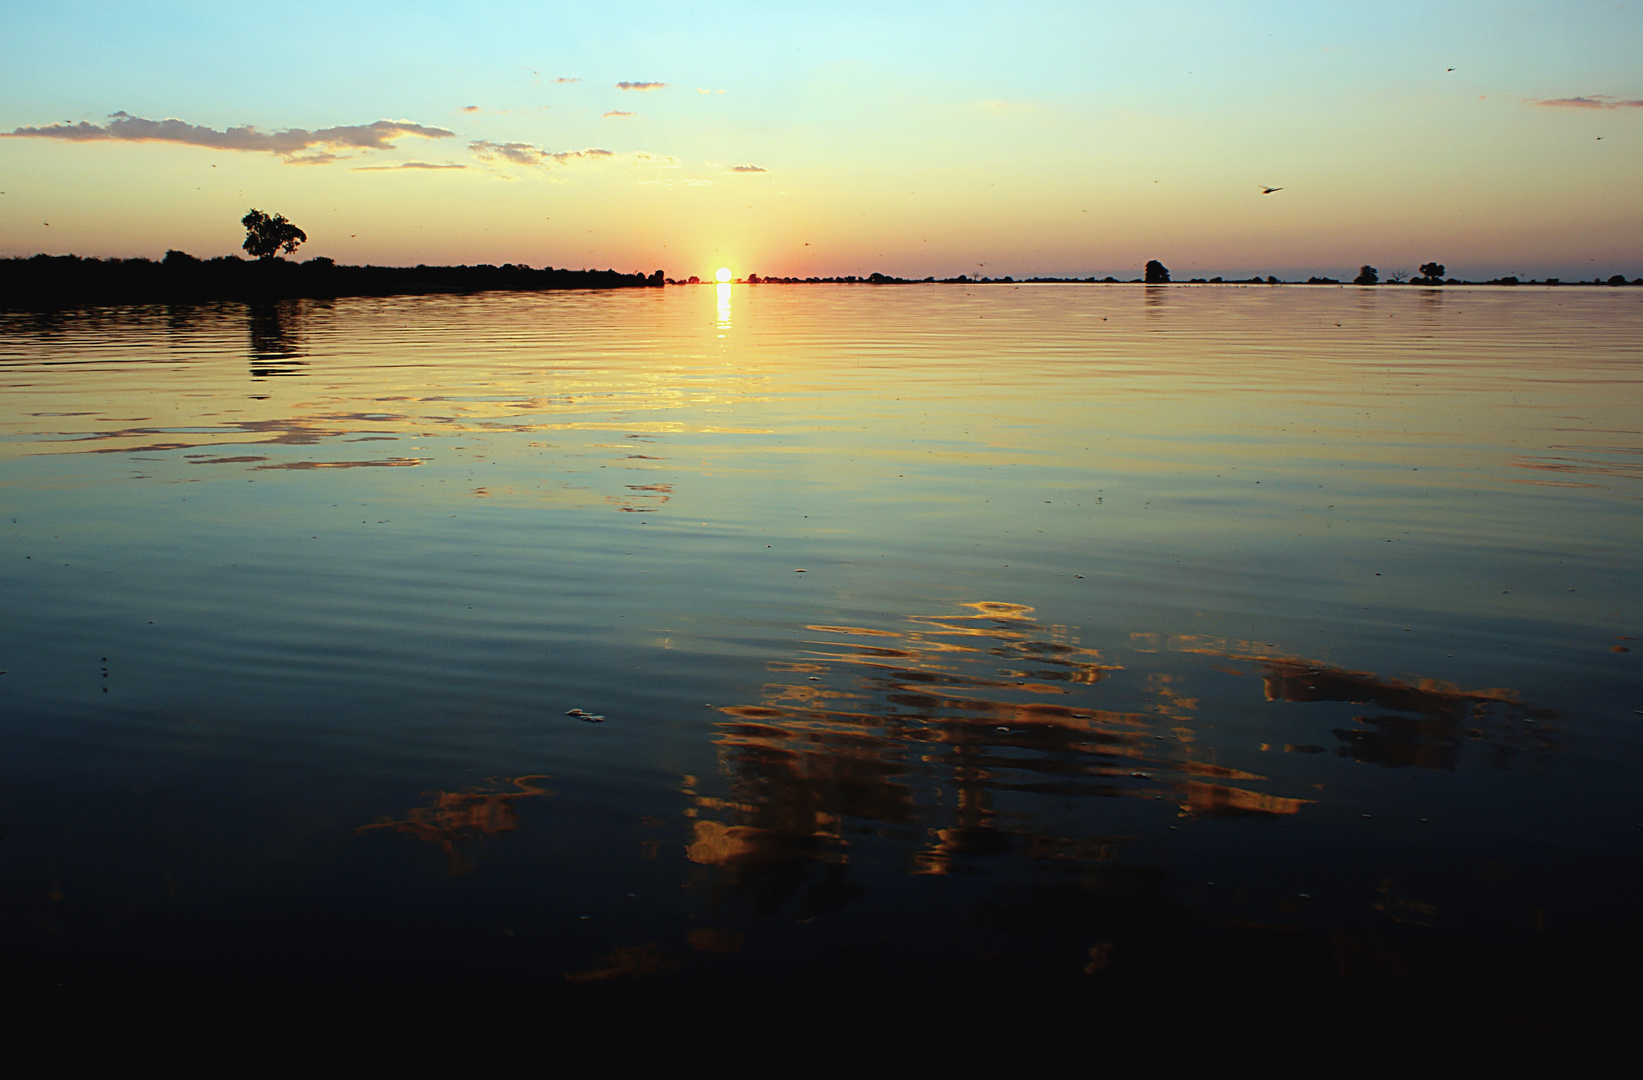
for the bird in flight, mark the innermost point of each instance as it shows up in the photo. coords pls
(1269, 190)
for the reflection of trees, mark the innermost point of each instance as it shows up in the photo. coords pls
(1425, 724)
(961, 740)
(276, 331)
(455, 819)
(949, 732)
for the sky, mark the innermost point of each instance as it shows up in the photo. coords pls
(911, 139)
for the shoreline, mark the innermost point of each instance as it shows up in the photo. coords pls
(67, 280)
(53, 281)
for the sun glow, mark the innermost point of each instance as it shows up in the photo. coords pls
(723, 274)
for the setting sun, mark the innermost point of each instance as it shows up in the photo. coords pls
(723, 274)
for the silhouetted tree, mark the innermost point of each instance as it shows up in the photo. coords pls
(1367, 275)
(266, 237)
(1432, 272)
(1157, 273)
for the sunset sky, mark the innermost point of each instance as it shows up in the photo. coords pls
(913, 139)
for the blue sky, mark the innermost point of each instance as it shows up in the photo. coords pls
(914, 139)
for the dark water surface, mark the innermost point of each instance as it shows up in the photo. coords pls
(1080, 639)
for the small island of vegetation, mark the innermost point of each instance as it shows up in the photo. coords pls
(61, 280)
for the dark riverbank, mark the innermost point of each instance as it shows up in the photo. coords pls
(59, 280)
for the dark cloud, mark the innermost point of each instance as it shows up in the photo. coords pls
(124, 127)
(404, 165)
(640, 85)
(75, 132)
(747, 168)
(1591, 101)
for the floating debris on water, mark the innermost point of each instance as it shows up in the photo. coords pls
(585, 716)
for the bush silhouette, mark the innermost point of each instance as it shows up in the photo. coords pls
(266, 237)
(1432, 272)
(1367, 275)
(1157, 273)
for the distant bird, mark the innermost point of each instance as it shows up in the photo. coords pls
(1269, 190)
(1449, 69)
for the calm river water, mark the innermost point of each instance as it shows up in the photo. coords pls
(1088, 639)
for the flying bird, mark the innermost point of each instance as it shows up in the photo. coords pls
(1449, 69)
(1269, 190)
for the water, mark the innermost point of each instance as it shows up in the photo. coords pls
(1090, 639)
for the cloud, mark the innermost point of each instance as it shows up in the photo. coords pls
(747, 168)
(617, 112)
(526, 154)
(699, 90)
(75, 132)
(516, 152)
(1591, 101)
(562, 79)
(318, 157)
(640, 85)
(124, 127)
(470, 108)
(404, 165)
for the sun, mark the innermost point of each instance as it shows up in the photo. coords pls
(723, 274)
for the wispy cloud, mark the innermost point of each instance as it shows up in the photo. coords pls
(519, 153)
(1591, 101)
(470, 108)
(640, 85)
(563, 79)
(404, 165)
(747, 168)
(618, 112)
(700, 90)
(124, 127)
